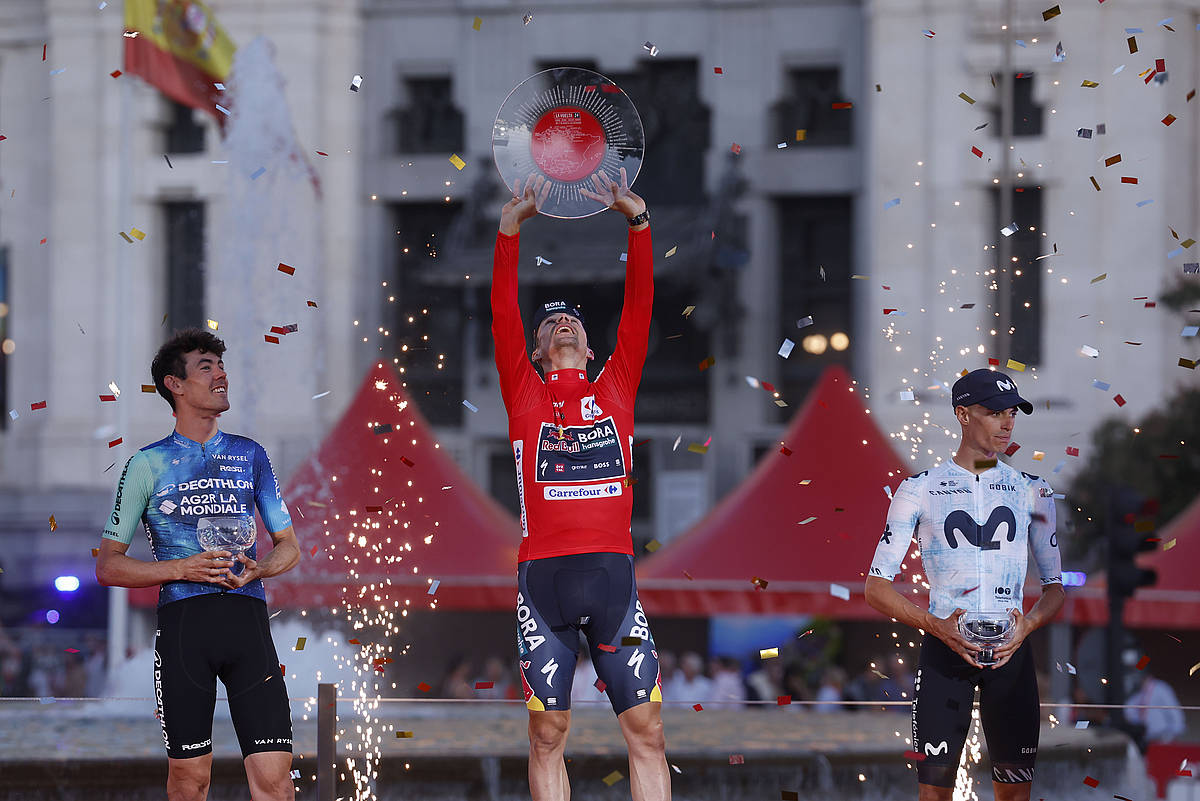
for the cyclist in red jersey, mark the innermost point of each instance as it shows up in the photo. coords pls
(572, 441)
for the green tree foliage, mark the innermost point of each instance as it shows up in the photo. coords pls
(1160, 461)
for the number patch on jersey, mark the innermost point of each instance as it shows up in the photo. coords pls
(1001, 522)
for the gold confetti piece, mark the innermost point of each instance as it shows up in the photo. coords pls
(1111, 160)
(300, 643)
(136, 234)
(967, 97)
(286, 268)
(1195, 667)
(53, 523)
(780, 403)
(1089, 84)
(478, 23)
(1169, 544)
(984, 464)
(671, 252)
(455, 160)
(1092, 178)
(1187, 243)
(613, 778)
(688, 311)
(653, 545)
(1013, 364)
(149, 388)
(212, 324)
(1099, 278)
(404, 735)
(696, 447)
(631, 641)
(1132, 42)
(768, 653)
(125, 236)
(1188, 363)
(1039, 456)
(1051, 13)
(805, 482)
(95, 552)
(801, 134)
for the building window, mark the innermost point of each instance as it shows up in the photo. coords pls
(816, 257)
(808, 105)
(183, 133)
(1027, 116)
(429, 290)
(1024, 325)
(185, 263)
(6, 342)
(428, 122)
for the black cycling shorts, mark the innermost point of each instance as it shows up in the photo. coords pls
(595, 593)
(225, 636)
(1008, 712)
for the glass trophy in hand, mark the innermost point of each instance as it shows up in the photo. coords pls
(989, 630)
(233, 534)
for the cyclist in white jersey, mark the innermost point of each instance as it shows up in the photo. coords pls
(975, 519)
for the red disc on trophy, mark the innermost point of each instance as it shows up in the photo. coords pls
(566, 124)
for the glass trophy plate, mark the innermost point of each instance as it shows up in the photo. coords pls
(233, 534)
(989, 630)
(566, 124)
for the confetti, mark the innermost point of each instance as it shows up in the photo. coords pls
(984, 464)
(1117, 399)
(457, 161)
(613, 778)
(1188, 363)
(470, 406)
(707, 363)
(1099, 278)
(433, 587)
(1013, 364)
(300, 641)
(671, 253)
(1051, 13)
(650, 48)
(1092, 178)
(1100, 385)
(528, 18)
(929, 34)
(1011, 449)
(735, 148)
(33, 407)
(907, 395)
(978, 153)
(600, 685)
(1111, 160)
(404, 735)
(1084, 133)
(1081, 724)
(212, 324)
(1194, 668)
(1167, 120)
(484, 685)
(967, 97)
(53, 524)
(12, 413)
(284, 268)
(801, 134)
(1090, 782)
(698, 707)
(838, 591)
(718, 70)
(136, 234)
(768, 653)
(760, 583)
(653, 545)
(841, 106)
(125, 236)
(783, 700)
(1071, 451)
(631, 641)
(737, 759)
(785, 349)
(1089, 84)
(1009, 229)
(357, 80)
(1141, 665)
(804, 322)
(893, 202)
(806, 521)
(423, 687)
(696, 447)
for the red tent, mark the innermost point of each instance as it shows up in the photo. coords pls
(381, 510)
(807, 518)
(1174, 600)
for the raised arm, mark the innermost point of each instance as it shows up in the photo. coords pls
(633, 332)
(512, 361)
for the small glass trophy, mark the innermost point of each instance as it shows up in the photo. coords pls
(233, 534)
(989, 630)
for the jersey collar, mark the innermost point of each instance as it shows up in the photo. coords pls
(213, 441)
(569, 375)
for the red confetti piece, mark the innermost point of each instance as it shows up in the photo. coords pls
(314, 550)
(993, 362)
(1117, 399)
(322, 153)
(278, 329)
(785, 450)
(423, 687)
(840, 106)
(914, 756)
(718, 70)
(767, 386)
(737, 759)
(1090, 782)
(1150, 304)
(33, 407)
(43, 241)
(354, 642)
(1111, 160)
(43, 52)
(1167, 120)
(284, 268)
(1128, 179)
(600, 685)
(313, 303)
(1160, 65)
(737, 149)
(1072, 451)
(374, 509)
(484, 685)
(1185, 772)
(978, 153)
(406, 460)
(271, 339)
(1011, 449)
(116, 73)
(783, 700)
(116, 442)
(889, 311)
(71, 650)
(606, 648)
(107, 398)
(1141, 665)
(698, 707)
(282, 669)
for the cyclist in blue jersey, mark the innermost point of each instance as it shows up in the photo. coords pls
(200, 484)
(975, 519)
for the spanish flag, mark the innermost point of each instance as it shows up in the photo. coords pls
(177, 47)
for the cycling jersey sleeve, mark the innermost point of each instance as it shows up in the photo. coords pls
(267, 495)
(902, 519)
(518, 380)
(1043, 538)
(624, 367)
(133, 493)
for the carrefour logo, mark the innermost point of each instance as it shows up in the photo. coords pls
(571, 492)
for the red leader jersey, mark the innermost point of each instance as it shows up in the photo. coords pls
(572, 438)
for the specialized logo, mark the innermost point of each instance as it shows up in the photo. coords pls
(1001, 522)
(571, 492)
(635, 662)
(942, 748)
(548, 670)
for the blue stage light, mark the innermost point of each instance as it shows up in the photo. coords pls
(66, 583)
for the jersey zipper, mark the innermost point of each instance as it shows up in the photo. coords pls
(978, 538)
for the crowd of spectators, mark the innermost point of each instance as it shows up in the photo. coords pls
(36, 666)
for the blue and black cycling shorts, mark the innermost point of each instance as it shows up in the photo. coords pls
(1008, 712)
(593, 593)
(222, 636)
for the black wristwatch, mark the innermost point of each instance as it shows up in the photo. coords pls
(638, 220)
